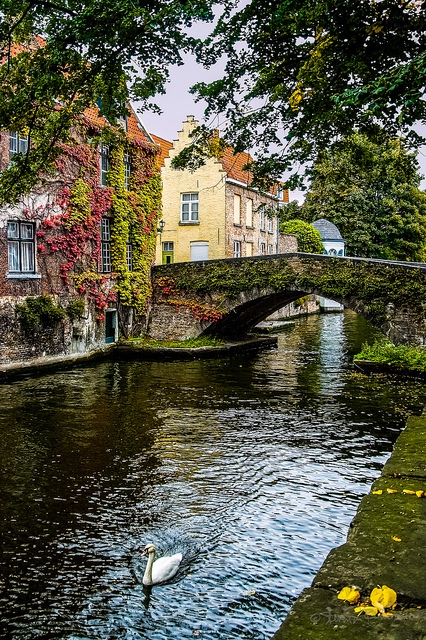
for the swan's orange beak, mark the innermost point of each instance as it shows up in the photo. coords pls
(145, 552)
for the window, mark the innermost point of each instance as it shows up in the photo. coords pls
(17, 144)
(270, 225)
(129, 256)
(263, 248)
(105, 266)
(237, 249)
(189, 207)
(262, 218)
(104, 163)
(237, 209)
(21, 247)
(280, 193)
(127, 170)
(270, 249)
(249, 213)
(249, 249)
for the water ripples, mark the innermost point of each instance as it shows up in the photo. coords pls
(252, 467)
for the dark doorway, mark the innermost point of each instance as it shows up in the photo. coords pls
(110, 325)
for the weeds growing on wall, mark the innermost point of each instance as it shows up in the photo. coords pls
(39, 311)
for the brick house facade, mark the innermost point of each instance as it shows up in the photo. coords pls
(75, 253)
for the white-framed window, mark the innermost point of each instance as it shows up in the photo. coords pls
(270, 225)
(270, 249)
(127, 170)
(104, 163)
(21, 247)
(129, 256)
(105, 265)
(280, 193)
(189, 207)
(263, 248)
(17, 144)
(249, 212)
(237, 209)
(237, 249)
(262, 218)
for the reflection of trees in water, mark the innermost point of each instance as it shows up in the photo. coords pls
(63, 434)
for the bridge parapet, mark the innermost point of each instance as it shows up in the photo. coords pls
(226, 298)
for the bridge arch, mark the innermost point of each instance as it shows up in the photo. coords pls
(227, 298)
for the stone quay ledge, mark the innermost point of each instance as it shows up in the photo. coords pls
(385, 546)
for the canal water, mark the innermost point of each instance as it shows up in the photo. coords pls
(251, 466)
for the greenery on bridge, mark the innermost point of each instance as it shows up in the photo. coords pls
(374, 284)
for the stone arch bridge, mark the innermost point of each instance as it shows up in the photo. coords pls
(227, 298)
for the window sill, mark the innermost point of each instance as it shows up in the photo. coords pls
(189, 223)
(238, 224)
(249, 227)
(23, 276)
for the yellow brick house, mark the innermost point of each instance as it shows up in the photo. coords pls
(214, 212)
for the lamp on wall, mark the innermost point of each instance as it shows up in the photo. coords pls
(161, 225)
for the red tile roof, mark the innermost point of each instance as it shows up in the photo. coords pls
(164, 145)
(16, 48)
(232, 163)
(135, 129)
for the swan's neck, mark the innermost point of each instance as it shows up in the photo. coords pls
(147, 578)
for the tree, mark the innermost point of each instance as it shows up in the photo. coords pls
(371, 192)
(308, 238)
(300, 75)
(59, 58)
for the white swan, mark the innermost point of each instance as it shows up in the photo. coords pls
(160, 570)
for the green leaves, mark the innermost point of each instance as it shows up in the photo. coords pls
(302, 74)
(369, 189)
(60, 58)
(308, 238)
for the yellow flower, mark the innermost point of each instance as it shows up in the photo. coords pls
(367, 609)
(349, 594)
(383, 598)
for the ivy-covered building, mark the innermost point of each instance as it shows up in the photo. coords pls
(76, 252)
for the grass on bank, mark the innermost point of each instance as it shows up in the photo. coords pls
(188, 343)
(402, 357)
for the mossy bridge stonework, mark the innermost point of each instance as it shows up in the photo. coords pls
(227, 298)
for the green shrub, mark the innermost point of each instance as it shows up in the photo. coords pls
(40, 310)
(308, 238)
(402, 357)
